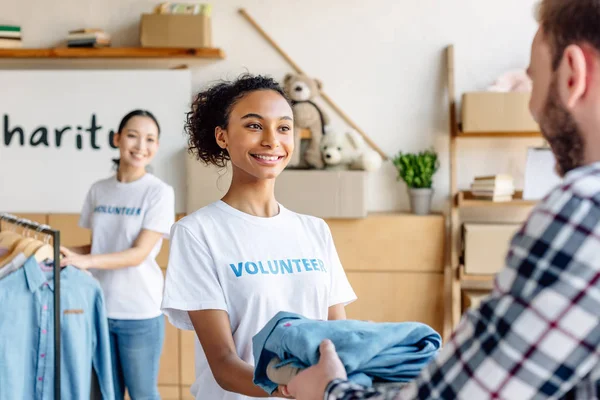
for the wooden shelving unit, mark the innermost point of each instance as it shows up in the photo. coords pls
(114, 52)
(479, 283)
(488, 135)
(466, 199)
(454, 279)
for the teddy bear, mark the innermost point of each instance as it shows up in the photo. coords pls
(302, 90)
(348, 151)
(512, 81)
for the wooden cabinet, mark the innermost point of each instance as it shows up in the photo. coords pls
(398, 297)
(71, 234)
(390, 242)
(394, 263)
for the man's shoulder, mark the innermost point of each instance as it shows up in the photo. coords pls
(579, 188)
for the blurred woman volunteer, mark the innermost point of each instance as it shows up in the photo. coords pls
(129, 213)
(238, 261)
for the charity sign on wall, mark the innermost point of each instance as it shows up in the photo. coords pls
(56, 131)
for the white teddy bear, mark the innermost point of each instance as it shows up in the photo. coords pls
(348, 151)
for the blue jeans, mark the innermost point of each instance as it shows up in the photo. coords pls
(136, 346)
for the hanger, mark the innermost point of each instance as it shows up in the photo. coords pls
(19, 247)
(45, 251)
(9, 237)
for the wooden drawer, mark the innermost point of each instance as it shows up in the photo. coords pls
(71, 234)
(163, 257)
(390, 242)
(188, 370)
(398, 297)
(169, 360)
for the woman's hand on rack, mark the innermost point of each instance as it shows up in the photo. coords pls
(77, 260)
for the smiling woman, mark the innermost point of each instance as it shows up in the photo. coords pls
(237, 262)
(129, 214)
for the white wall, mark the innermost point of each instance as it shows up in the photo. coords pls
(380, 60)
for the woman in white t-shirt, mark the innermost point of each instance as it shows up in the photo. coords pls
(235, 263)
(129, 214)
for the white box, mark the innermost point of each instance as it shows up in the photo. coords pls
(321, 193)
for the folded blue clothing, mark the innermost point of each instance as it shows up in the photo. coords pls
(388, 351)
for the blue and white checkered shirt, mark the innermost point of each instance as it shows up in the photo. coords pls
(537, 336)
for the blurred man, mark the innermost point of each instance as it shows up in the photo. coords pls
(538, 335)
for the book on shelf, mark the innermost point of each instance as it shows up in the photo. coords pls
(493, 188)
(88, 37)
(10, 37)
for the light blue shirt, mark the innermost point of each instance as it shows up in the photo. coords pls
(390, 351)
(27, 335)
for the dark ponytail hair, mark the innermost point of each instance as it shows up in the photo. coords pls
(211, 108)
(125, 120)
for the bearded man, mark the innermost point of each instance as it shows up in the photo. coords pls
(537, 336)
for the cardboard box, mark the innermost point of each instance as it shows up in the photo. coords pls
(485, 246)
(181, 31)
(497, 112)
(322, 193)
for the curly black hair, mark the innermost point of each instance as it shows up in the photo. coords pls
(212, 107)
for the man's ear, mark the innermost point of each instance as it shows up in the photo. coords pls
(573, 75)
(221, 137)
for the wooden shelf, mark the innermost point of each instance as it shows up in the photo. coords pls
(483, 283)
(466, 199)
(114, 52)
(488, 135)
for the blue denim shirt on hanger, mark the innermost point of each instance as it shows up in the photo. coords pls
(27, 335)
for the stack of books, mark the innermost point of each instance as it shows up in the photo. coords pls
(10, 37)
(183, 8)
(493, 188)
(88, 37)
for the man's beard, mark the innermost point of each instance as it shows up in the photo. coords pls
(562, 133)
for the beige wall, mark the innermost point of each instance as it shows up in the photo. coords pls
(380, 60)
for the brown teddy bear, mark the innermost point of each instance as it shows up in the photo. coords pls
(302, 90)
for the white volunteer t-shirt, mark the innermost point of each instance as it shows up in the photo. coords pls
(252, 267)
(116, 212)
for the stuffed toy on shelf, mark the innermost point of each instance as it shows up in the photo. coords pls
(342, 151)
(303, 90)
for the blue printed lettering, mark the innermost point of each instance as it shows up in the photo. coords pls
(262, 269)
(315, 265)
(274, 267)
(118, 210)
(238, 271)
(286, 267)
(297, 262)
(322, 265)
(254, 269)
(273, 270)
(306, 265)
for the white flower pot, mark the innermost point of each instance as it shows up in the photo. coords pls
(420, 200)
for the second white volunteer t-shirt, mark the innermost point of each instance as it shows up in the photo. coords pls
(116, 212)
(252, 267)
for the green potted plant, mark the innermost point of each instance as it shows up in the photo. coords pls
(417, 170)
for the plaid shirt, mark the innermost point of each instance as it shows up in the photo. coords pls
(537, 335)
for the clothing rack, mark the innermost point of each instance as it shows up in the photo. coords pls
(46, 230)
